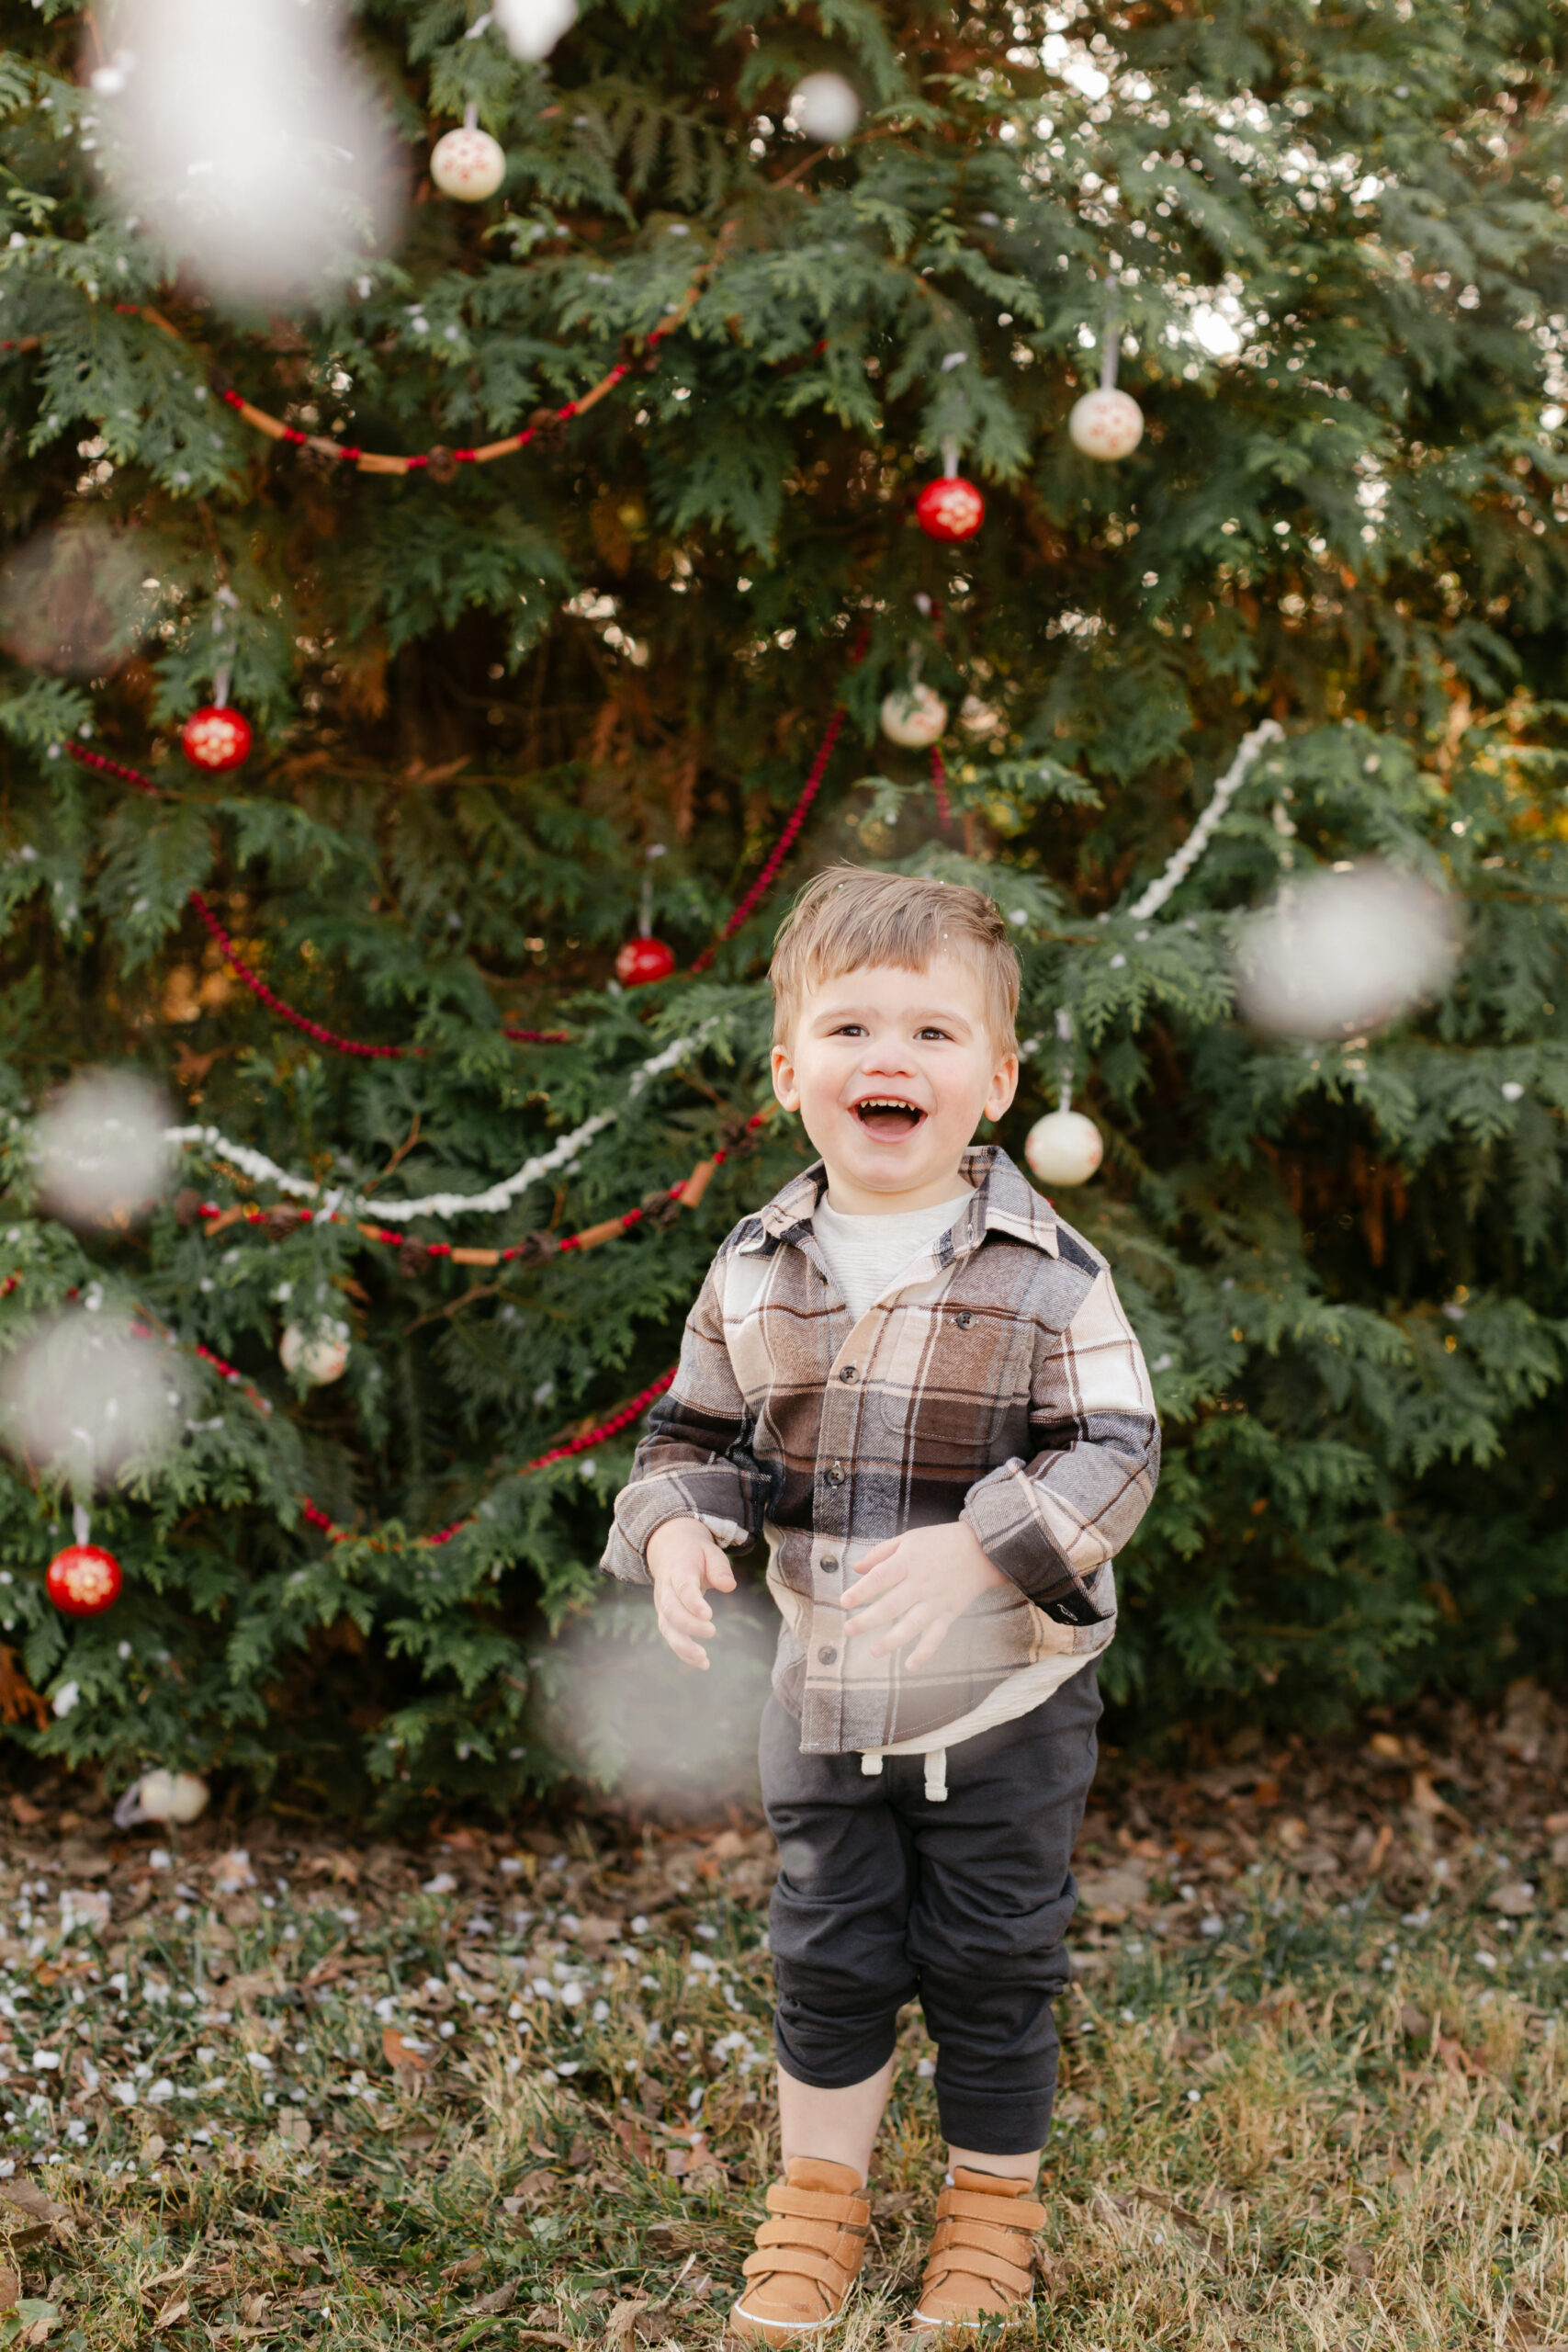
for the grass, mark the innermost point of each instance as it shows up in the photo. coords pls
(1298, 2108)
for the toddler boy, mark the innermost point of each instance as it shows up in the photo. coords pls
(918, 1384)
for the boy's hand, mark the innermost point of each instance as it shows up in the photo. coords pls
(913, 1588)
(684, 1560)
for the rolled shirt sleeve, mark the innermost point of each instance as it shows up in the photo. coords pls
(1055, 1524)
(695, 1460)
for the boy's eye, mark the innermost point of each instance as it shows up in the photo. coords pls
(931, 1031)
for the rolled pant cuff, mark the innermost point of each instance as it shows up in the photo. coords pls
(998, 2124)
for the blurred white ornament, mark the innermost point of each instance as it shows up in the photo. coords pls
(84, 1396)
(320, 1358)
(240, 133)
(79, 597)
(102, 1151)
(532, 27)
(1345, 950)
(915, 716)
(468, 165)
(1064, 1148)
(1105, 423)
(826, 107)
(159, 1795)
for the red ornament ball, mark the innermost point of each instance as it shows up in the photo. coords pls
(949, 510)
(641, 960)
(216, 740)
(83, 1581)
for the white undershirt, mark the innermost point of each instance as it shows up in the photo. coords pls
(864, 1254)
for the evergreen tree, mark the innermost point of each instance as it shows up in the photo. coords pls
(1326, 248)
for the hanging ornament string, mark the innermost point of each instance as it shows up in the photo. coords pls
(1179, 865)
(534, 1249)
(442, 463)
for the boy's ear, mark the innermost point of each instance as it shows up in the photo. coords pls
(784, 1085)
(1004, 1086)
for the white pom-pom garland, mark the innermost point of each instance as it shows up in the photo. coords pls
(826, 107)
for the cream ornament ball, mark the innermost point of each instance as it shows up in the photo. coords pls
(915, 716)
(320, 1358)
(1064, 1148)
(1105, 423)
(468, 165)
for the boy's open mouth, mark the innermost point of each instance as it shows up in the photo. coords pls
(885, 1117)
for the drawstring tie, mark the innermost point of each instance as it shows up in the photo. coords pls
(936, 1770)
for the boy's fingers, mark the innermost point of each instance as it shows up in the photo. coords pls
(936, 1632)
(689, 1651)
(687, 1614)
(904, 1631)
(878, 1553)
(873, 1585)
(719, 1572)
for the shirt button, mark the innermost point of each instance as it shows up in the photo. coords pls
(836, 1475)
(964, 1319)
(849, 1372)
(826, 1657)
(829, 1567)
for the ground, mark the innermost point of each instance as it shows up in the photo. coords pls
(265, 2084)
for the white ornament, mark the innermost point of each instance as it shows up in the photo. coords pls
(532, 27)
(468, 165)
(170, 1796)
(826, 107)
(318, 1358)
(1343, 951)
(1105, 423)
(915, 716)
(1064, 1148)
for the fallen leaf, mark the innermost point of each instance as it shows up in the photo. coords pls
(175, 2308)
(1425, 1798)
(10, 2290)
(408, 2062)
(621, 2321)
(498, 2300)
(1212, 2243)
(1413, 2022)
(33, 2202)
(1359, 2262)
(469, 2267)
(1513, 1900)
(23, 1811)
(535, 2187)
(632, 2137)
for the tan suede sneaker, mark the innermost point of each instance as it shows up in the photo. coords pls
(981, 2263)
(809, 2253)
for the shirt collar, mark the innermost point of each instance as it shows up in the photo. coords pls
(1003, 1201)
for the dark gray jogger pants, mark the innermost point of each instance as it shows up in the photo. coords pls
(885, 1896)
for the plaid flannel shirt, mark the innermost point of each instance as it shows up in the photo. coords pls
(997, 1380)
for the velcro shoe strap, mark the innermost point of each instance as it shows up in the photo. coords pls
(974, 2263)
(819, 2205)
(1005, 2213)
(798, 2262)
(983, 2239)
(826, 2236)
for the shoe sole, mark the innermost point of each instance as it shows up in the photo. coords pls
(750, 2329)
(969, 2319)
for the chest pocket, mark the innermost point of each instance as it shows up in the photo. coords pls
(954, 1381)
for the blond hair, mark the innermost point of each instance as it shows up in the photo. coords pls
(849, 916)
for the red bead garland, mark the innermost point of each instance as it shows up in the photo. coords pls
(949, 510)
(642, 960)
(215, 740)
(83, 1581)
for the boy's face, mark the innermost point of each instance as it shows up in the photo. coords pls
(892, 1072)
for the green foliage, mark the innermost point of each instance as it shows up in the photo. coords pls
(1329, 249)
